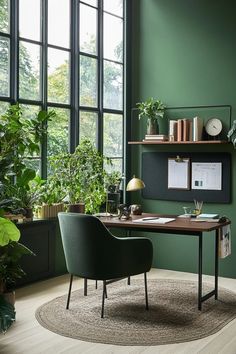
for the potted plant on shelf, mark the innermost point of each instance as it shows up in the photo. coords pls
(151, 110)
(232, 134)
(11, 252)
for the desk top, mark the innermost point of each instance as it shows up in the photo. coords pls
(179, 224)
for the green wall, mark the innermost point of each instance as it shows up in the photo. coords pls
(184, 53)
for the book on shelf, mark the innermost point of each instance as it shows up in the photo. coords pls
(159, 137)
(185, 129)
(179, 130)
(173, 129)
(197, 128)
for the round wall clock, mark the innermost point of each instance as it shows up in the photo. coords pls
(213, 127)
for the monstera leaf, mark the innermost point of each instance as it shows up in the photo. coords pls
(8, 232)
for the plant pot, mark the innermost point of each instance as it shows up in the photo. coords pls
(77, 208)
(10, 297)
(152, 127)
(29, 213)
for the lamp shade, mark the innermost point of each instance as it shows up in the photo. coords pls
(135, 184)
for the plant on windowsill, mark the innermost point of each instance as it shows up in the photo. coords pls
(80, 177)
(151, 110)
(20, 137)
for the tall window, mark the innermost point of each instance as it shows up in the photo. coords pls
(68, 56)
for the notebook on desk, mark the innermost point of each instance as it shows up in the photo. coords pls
(154, 220)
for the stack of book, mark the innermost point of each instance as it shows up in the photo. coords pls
(186, 129)
(156, 137)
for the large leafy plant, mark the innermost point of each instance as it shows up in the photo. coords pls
(20, 136)
(11, 252)
(80, 176)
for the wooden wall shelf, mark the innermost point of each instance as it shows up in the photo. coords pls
(178, 142)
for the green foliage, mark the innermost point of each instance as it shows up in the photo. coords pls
(8, 232)
(80, 176)
(7, 314)
(232, 134)
(151, 109)
(112, 181)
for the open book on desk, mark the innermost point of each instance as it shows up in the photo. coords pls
(154, 220)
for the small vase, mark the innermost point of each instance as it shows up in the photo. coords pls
(152, 127)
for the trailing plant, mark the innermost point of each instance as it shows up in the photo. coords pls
(232, 134)
(151, 109)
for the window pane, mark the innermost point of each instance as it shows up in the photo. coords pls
(4, 15)
(29, 17)
(113, 85)
(91, 2)
(113, 135)
(4, 67)
(29, 71)
(3, 107)
(116, 166)
(34, 163)
(113, 6)
(88, 81)
(113, 40)
(29, 111)
(88, 29)
(88, 126)
(59, 22)
(58, 76)
(58, 132)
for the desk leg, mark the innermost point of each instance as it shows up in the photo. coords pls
(216, 262)
(128, 233)
(200, 272)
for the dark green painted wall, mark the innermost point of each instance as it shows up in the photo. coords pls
(184, 53)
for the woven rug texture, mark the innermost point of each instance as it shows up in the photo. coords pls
(173, 316)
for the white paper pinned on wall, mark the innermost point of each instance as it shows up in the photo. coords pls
(178, 173)
(207, 175)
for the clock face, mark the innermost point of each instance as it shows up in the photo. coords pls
(213, 126)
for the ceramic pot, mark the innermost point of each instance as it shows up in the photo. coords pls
(152, 127)
(77, 208)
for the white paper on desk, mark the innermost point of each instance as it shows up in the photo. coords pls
(154, 221)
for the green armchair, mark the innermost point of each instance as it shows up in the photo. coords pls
(92, 252)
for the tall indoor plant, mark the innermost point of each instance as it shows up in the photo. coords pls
(151, 110)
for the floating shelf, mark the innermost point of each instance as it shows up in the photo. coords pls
(178, 142)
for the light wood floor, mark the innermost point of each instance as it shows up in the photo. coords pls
(26, 336)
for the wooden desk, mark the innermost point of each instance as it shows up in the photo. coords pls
(179, 226)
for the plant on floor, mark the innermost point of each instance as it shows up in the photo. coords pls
(11, 252)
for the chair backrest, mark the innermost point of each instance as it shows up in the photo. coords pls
(85, 242)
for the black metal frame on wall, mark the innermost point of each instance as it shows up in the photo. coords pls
(74, 53)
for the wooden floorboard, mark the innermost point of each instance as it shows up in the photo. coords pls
(26, 336)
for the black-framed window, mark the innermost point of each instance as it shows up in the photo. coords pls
(68, 55)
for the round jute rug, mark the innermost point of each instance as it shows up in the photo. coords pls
(173, 316)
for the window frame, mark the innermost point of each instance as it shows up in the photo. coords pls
(74, 86)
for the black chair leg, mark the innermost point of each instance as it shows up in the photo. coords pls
(85, 287)
(96, 284)
(103, 297)
(128, 281)
(146, 293)
(69, 292)
(105, 291)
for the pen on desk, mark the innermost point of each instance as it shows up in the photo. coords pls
(150, 218)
